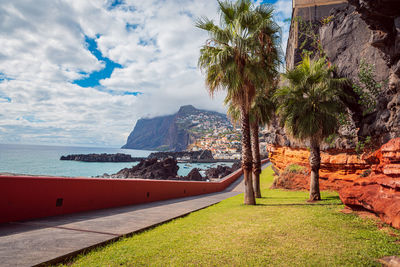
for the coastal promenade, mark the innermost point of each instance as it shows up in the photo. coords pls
(53, 239)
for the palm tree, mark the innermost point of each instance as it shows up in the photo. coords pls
(309, 107)
(237, 58)
(261, 112)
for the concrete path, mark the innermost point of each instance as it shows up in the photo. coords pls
(48, 240)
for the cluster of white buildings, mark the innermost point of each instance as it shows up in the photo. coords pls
(212, 132)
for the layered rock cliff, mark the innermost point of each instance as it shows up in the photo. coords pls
(338, 167)
(380, 191)
(174, 132)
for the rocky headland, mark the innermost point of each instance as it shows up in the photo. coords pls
(175, 132)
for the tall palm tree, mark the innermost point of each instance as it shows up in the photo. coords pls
(261, 112)
(238, 57)
(309, 107)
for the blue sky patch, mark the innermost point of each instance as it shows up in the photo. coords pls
(120, 4)
(3, 77)
(187, 13)
(114, 3)
(117, 92)
(269, 1)
(132, 93)
(3, 97)
(131, 27)
(94, 78)
(146, 42)
(6, 98)
(30, 118)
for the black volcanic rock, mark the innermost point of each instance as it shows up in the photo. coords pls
(218, 172)
(151, 169)
(119, 157)
(172, 132)
(236, 166)
(222, 171)
(194, 175)
(383, 20)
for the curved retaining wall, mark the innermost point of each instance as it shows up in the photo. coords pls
(25, 197)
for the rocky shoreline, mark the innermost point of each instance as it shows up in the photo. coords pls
(201, 156)
(167, 169)
(119, 157)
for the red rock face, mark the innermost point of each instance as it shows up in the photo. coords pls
(338, 167)
(379, 192)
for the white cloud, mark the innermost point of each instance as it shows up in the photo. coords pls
(44, 50)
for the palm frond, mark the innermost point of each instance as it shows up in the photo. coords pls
(309, 106)
(242, 54)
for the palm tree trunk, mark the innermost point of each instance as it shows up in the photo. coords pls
(255, 147)
(249, 198)
(315, 162)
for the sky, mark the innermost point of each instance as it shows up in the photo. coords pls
(76, 72)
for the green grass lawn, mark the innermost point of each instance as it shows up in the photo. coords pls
(282, 230)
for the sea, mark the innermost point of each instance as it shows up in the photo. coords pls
(45, 160)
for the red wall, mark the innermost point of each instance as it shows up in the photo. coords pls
(23, 197)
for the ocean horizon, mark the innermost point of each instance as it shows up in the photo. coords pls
(45, 160)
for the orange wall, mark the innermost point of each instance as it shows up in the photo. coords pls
(23, 197)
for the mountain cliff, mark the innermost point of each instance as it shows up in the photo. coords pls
(174, 132)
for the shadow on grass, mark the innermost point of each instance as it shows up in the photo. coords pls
(280, 198)
(316, 203)
(300, 204)
(330, 198)
(327, 198)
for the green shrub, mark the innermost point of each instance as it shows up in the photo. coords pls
(367, 88)
(330, 140)
(361, 146)
(326, 20)
(294, 168)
